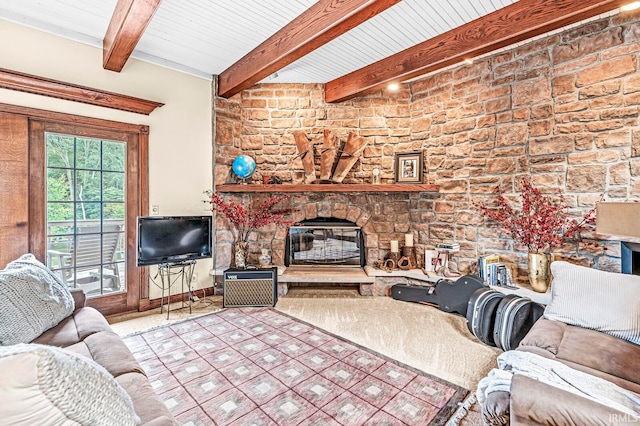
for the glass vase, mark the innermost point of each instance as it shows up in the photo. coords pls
(539, 276)
(240, 250)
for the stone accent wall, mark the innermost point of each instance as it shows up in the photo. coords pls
(562, 108)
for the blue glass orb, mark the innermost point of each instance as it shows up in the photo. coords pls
(243, 166)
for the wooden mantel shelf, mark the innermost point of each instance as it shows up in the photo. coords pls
(328, 187)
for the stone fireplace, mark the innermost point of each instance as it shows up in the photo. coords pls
(372, 219)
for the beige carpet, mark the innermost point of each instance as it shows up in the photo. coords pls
(418, 335)
(141, 321)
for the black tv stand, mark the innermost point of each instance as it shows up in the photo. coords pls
(169, 275)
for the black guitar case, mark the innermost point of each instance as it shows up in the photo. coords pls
(481, 314)
(515, 316)
(414, 293)
(453, 296)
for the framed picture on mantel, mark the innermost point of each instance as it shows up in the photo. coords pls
(409, 167)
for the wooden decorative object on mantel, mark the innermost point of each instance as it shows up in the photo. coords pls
(349, 155)
(328, 154)
(305, 148)
(353, 149)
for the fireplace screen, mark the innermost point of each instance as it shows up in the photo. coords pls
(324, 243)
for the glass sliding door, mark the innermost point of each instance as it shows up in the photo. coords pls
(86, 212)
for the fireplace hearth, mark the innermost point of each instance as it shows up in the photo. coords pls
(325, 242)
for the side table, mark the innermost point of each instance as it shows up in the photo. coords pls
(170, 273)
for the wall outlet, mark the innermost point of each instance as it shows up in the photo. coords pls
(194, 278)
(155, 210)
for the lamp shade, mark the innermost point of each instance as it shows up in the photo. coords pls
(618, 219)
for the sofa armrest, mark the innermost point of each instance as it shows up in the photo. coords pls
(79, 297)
(495, 410)
(536, 403)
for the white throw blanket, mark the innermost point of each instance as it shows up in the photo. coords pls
(557, 374)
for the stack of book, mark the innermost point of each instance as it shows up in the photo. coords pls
(448, 247)
(493, 272)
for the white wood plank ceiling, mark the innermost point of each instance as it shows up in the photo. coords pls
(204, 37)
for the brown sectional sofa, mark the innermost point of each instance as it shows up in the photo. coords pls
(87, 332)
(534, 403)
(587, 343)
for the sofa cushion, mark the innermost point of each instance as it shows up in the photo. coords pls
(75, 328)
(597, 300)
(109, 350)
(32, 300)
(586, 350)
(43, 385)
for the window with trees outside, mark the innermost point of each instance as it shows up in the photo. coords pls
(85, 212)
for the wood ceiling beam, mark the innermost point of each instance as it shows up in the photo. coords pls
(517, 22)
(318, 25)
(130, 19)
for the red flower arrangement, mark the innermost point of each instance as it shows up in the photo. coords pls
(246, 219)
(540, 224)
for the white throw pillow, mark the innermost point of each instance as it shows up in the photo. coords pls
(597, 300)
(32, 300)
(45, 385)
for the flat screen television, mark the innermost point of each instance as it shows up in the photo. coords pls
(173, 239)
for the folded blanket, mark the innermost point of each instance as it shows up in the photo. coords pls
(557, 374)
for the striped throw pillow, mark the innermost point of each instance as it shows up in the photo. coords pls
(598, 300)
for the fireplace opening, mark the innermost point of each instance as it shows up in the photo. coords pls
(325, 241)
(630, 258)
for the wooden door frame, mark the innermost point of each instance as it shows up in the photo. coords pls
(14, 166)
(137, 139)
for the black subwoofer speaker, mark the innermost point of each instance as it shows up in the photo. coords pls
(250, 287)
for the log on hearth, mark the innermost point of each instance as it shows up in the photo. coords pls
(305, 148)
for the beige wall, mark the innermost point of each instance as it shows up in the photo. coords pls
(180, 131)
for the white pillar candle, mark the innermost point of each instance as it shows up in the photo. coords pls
(408, 240)
(394, 246)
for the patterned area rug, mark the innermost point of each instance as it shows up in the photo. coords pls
(257, 366)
